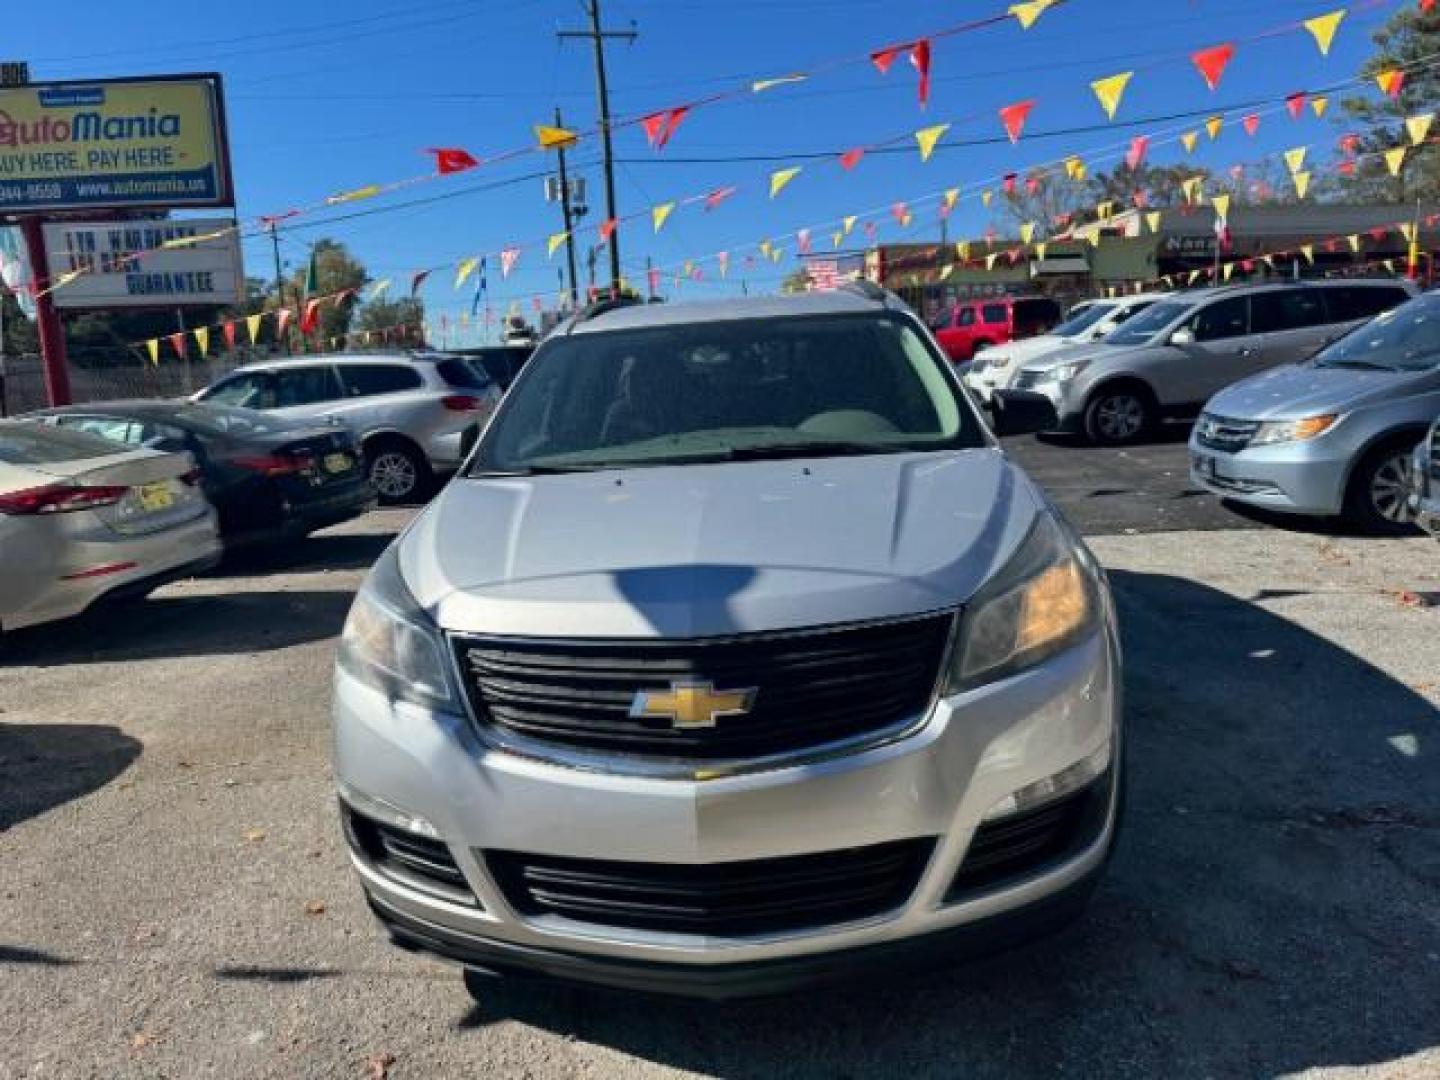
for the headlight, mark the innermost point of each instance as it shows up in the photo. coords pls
(1278, 431)
(1041, 603)
(1065, 372)
(995, 359)
(391, 644)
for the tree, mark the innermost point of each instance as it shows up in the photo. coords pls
(1163, 185)
(796, 281)
(1406, 42)
(335, 271)
(390, 315)
(19, 336)
(1044, 197)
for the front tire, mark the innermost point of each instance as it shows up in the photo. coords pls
(398, 473)
(1119, 416)
(1376, 498)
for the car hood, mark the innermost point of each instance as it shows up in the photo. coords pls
(1078, 351)
(699, 551)
(1020, 352)
(1300, 390)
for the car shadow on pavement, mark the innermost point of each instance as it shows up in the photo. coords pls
(1296, 523)
(43, 766)
(341, 551)
(171, 626)
(1270, 907)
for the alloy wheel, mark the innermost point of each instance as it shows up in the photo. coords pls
(1120, 417)
(1389, 487)
(393, 474)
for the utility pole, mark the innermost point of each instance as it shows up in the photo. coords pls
(279, 276)
(569, 224)
(597, 36)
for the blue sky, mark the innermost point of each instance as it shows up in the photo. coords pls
(321, 102)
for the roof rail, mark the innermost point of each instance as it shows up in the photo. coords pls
(868, 289)
(600, 307)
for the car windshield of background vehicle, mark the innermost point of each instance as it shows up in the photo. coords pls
(1083, 321)
(1139, 330)
(40, 444)
(1404, 339)
(464, 374)
(725, 391)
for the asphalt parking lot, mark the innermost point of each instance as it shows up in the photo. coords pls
(176, 898)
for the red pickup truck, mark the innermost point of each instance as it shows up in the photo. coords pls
(972, 325)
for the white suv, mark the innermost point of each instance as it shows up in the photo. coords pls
(409, 412)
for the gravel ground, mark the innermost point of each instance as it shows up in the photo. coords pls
(175, 898)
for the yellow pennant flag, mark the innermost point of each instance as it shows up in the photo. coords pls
(367, 192)
(1105, 210)
(252, 325)
(1295, 159)
(766, 248)
(1302, 183)
(553, 244)
(1152, 219)
(1222, 206)
(202, 338)
(776, 254)
(1318, 104)
(1390, 80)
(1354, 241)
(990, 260)
(1323, 27)
(1308, 250)
(848, 224)
(780, 178)
(378, 288)
(466, 269)
(761, 85)
(1027, 12)
(1110, 90)
(963, 250)
(1407, 230)
(1040, 250)
(952, 196)
(928, 137)
(1268, 260)
(1395, 160)
(906, 219)
(836, 238)
(658, 214)
(1418, 127)
(1027, 232)
(153, 348)
(987, 196)
(1188, 140)
(1228, 270)
(1074, 167)
(1213, 126)
(555, 138)
(1194, 276)
(1094, 237)
(1191, 188)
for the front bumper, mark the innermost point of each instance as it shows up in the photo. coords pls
(974, 750)
(1069, 407)
(1305, 478)
(1425, 493)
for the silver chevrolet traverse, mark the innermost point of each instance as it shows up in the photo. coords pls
(1168, 360)
(737, 657)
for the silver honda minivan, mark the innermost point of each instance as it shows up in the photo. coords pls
(738, 656)
(1168, 360)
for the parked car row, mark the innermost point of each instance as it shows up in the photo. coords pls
(1310, 396)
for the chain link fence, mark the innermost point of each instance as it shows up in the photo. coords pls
(22, 378)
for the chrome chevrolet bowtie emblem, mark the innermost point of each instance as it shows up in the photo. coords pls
(692, 704)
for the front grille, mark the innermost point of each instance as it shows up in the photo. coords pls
(720, 899)
(1225, 435)
(415, 861)
(810, 688)
(1027, 380)
(1004, 851)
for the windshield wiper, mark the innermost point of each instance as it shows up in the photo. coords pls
(1361, 365)
(812, 448)
(531, 470)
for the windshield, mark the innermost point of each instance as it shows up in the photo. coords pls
(1083, 320)
(464, 372)
(1406, 338)
(721, 391)
(208, 419)
(1143, 327)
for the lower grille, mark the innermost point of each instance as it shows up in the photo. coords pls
(1027, 380)
(717, 899)
(1227, 436)
(1016, 847)
(796, 690)
(414, 861)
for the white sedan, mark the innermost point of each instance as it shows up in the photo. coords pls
(82, 519)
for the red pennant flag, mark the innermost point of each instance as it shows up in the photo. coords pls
(885, 57)
(1296, 104)
(1212, 63)
(1247, 265)
(1346, 168)
(851, 158)
(282, 320)
(1008, 183)
(228, 329)
(1237, 172)
(1032, 184)
(418, 280)
(1251, 123)
(899, 211)
(1139, 145)
(920, 58)
(1014, 117)
(452, 159)
(508, 258)
(716, 197)
(802, 240)
(310, 318)
(871, 229)
(1378, 233)
(177, 342)
(607, 229)
(1140, 199)
(660, 126)
(1348, 143)
(654, 277)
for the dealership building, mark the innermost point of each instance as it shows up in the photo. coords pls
(1124, 253)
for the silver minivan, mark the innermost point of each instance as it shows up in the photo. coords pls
(409, 411)
(1170, 359)
(738, 656)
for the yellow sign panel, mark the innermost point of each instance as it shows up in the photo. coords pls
(116, 143)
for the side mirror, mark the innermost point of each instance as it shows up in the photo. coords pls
(1022, 412)
(1183, 336)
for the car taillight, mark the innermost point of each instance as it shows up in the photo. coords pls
(462, 403)
(271, 464)
(60, 499)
